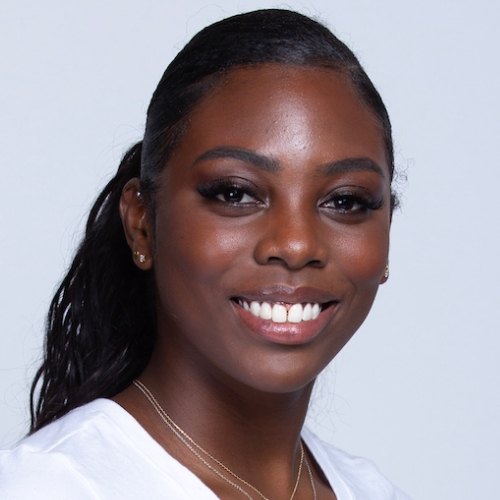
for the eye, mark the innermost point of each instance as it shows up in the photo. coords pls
(234, 194)
(231, 192)
(352, 203)
(345, 203)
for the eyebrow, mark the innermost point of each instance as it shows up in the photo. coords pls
(351, 165)
(271, 165)
(246, 155)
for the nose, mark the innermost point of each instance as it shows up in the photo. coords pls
(292, 237)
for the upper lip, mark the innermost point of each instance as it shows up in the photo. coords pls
(287, 294)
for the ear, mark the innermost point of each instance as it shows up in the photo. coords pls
(137, 224)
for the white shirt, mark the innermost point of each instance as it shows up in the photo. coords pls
(99, 451)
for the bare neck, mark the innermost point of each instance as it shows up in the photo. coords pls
(255, 434)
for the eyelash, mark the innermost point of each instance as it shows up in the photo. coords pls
(220, 188)
(344, 203)
(365, 203)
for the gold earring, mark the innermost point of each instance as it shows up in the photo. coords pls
(140, 256)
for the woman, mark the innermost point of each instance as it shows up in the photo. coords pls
(236, 251)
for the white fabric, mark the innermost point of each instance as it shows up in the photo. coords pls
(99, 451)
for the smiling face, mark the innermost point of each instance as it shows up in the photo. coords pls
(272, 228)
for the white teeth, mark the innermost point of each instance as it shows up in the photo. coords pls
(265, 311)
(315, 311)
(280, 313)
(307, 313)
(295, 313)
(255, 308)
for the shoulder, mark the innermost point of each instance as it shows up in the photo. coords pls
(56, 460)
(43, 465)
(96, 451)
(60, 436)
(351, 476)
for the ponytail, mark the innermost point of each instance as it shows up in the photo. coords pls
(101, 322)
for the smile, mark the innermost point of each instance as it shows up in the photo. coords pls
(281, 312)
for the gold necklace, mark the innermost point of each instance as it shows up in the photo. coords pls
(193, 447)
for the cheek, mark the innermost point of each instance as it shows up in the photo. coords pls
(362, 255)
(195, 248)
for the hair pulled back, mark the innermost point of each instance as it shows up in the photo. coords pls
(101, 324)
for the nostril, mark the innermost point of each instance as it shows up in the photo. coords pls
(276, 260)
(316, 263)
(290, 264)
(292, 247)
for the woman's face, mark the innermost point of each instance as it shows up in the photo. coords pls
(278, 201)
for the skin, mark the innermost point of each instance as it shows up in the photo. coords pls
(289, 239)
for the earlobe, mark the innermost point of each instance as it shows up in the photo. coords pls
(136, 224)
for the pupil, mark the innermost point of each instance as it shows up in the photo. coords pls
(345, 202)
(233, 195)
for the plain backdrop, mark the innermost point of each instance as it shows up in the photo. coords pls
(417, 388)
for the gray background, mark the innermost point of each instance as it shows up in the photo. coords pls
(416, 389)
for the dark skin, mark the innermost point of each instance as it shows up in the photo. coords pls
(278, 192)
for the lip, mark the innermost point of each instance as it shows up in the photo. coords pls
(288, 294)
(287, 333)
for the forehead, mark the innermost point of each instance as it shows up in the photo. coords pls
(287, 112)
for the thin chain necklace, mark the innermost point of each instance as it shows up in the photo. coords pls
(195, 448)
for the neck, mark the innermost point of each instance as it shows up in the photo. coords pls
(227, 416)
(254, 432)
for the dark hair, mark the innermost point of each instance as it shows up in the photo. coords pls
(101, 323)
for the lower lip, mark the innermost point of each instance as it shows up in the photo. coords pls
(286, 333)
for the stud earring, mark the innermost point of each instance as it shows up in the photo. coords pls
(386, 272)
(140, 256)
